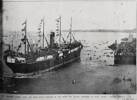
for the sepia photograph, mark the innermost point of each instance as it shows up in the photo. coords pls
(68, 47)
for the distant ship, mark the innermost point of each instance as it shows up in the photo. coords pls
(125, 52)
(52, 56)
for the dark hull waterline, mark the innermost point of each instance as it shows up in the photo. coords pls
(25, 68)
(119, 59)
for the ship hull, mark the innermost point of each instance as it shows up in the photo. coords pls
(121, 59)
(43, 65)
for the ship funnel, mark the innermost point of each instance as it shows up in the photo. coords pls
(52, 36)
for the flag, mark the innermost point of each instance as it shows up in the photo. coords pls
(24, 22)
(39, 28)
(58, 19)
(22, 39)
(57, 34)
(38, 40)
(40, 35)
(41, 21)
(19, 45)
(23, 29)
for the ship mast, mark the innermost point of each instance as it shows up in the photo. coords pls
(44, 37)
(70, 30)
(25, 39)
(12, 45)
(43, 31)
(26, 46)
(60, 31)
(70, 35)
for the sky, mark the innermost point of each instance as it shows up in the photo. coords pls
(85, 14)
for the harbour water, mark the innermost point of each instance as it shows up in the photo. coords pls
(94, 73)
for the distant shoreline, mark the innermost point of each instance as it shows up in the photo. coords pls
(90, 30)
(102, 30)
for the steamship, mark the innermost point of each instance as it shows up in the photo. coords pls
(52, 56)
(125, 52)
